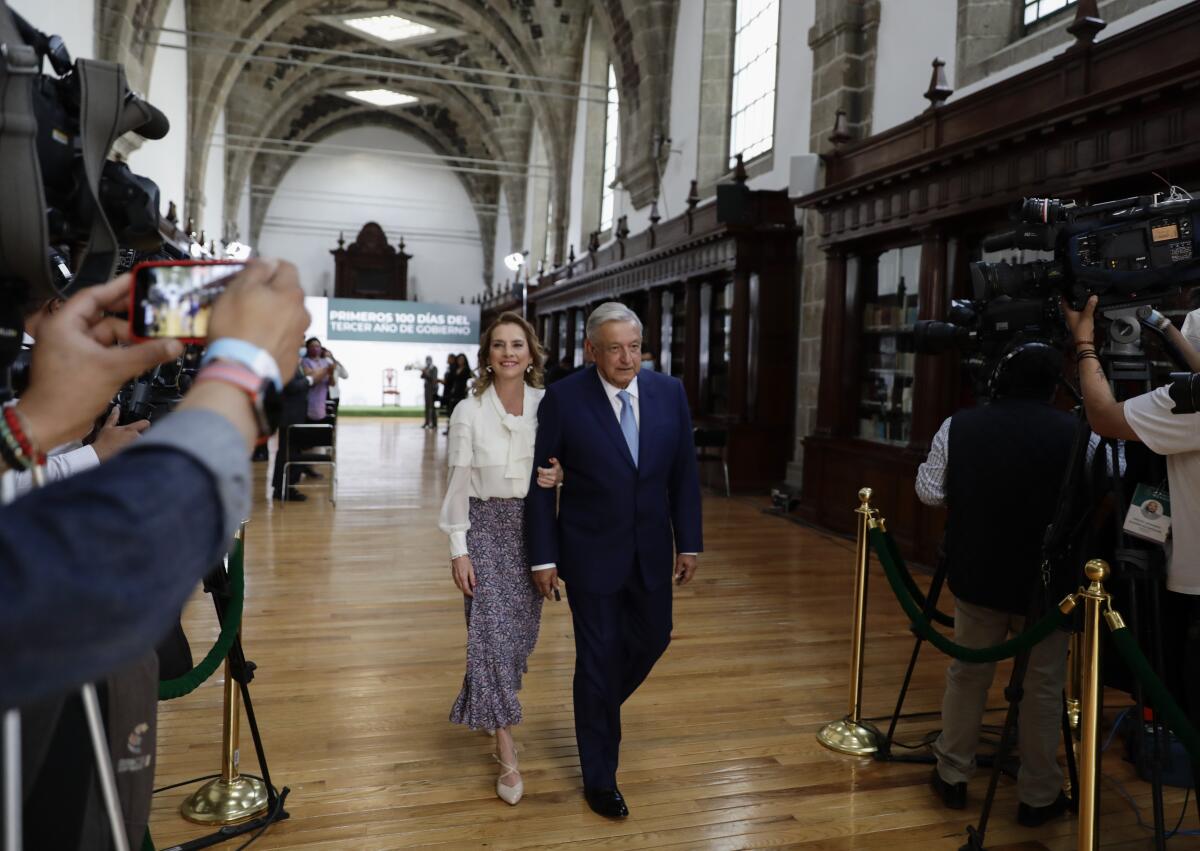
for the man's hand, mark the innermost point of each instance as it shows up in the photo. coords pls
(77, 366)
(112, 438)
(546, 581)
(464, 574)
(264, 305)
(1082, 323)
(685, 569)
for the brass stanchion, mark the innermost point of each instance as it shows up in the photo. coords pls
(849, 735)
(1074, 680)
(1094, 599)
(230, 798)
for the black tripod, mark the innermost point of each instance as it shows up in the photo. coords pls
(242, 671)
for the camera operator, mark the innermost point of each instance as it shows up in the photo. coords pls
(998, 468)
(98, 565)
(1149, 419)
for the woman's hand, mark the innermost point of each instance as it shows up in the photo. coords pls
(464, 574)
(552, 476)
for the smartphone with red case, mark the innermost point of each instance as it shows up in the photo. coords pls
(173, 299)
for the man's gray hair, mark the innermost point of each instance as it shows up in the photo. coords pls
(610, 311)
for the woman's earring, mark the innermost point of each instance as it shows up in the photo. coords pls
(489, 369)
(529, 369)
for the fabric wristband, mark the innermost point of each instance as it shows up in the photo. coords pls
(257, 360)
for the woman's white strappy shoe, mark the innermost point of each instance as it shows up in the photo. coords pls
(508, 794)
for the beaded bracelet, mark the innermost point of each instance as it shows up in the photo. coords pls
(16, 423)
(16, 448)
(9, 448)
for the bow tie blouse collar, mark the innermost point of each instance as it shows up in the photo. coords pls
(522, 432)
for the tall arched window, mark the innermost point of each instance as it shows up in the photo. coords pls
(612, 144)
(752, 105)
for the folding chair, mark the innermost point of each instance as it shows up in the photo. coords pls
(711, 446)
(317, 435)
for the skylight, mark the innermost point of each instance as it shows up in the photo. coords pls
(389, 27)
(381, 97)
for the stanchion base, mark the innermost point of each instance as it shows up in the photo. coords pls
(226, 801)
(849, 737)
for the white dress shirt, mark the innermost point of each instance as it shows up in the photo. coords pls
(632, 390)
(490, 457)
(61, 462)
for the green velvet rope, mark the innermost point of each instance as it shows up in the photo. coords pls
(1160, 698)
(147, 842)
(936, 615)
(189, 682)
(1005, 650)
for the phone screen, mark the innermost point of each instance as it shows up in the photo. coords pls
(175, 299)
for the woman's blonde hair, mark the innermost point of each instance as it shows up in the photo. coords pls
(533, 378)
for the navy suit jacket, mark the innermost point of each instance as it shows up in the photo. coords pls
(614, 515)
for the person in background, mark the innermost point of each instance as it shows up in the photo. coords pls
(463, 378)
(491, 461)
(290, 447)
(449, 382)
(339, 372)
(320, 369)
(429, 374)
(553, 372)
(648, 361)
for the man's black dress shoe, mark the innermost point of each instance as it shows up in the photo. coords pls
(606, 802)
(293, 495)
(953, 795)
(1030, 816)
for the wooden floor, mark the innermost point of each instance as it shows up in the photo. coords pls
(359, 638)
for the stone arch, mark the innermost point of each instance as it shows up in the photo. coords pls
(212, 82)
(641, 38)
(482, 190)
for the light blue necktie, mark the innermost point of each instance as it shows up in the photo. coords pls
(629, 424)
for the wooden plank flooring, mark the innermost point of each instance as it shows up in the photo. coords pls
(358, 633)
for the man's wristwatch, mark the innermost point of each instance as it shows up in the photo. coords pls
(264, 395)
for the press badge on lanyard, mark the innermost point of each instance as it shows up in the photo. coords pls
(1149, 515)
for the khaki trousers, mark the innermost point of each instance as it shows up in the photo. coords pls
(1040, 726)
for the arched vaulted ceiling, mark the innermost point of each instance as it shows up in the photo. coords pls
(274, 67)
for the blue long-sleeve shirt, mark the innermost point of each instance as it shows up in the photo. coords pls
(94, 568)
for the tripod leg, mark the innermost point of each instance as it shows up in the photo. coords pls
(1014, 693)
(1159, 734)
(935, 590)
(104, 767)
(12, 781)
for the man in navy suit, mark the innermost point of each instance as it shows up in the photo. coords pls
(630, 502)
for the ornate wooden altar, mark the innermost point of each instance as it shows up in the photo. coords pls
(369, 267)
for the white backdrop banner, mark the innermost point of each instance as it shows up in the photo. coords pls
(368, 360)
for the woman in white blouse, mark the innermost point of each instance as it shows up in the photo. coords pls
(491, 460)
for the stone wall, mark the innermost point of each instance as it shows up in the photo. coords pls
(843, 41)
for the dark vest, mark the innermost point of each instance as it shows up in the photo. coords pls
(1006, 464)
